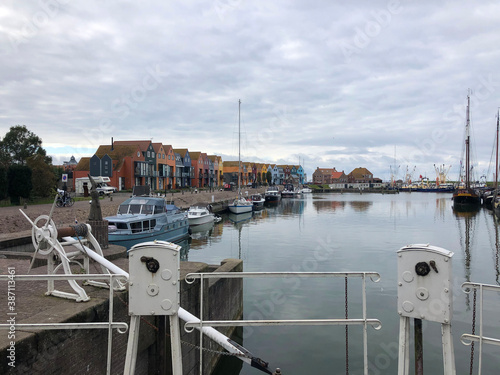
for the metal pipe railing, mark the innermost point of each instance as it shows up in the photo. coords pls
(200, 324)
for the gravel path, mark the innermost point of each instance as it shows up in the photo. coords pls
(12, 221)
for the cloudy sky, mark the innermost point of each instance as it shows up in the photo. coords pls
(344, 84)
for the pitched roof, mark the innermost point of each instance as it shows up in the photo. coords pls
(230, 163)
(157, 146)
(195, 155)
(83, 164)
(143, 145)
(360, 172)
(181, 151)
(337, 175)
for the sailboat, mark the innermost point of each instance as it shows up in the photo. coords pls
(490, 198)
(465, 198)
(240, 204)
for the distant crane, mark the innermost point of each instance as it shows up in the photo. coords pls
(409, 175)
(441, 173)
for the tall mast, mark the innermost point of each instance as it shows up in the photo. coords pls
(467, 143)
(496, 163)
(239, 141)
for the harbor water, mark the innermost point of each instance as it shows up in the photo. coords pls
(351, 232)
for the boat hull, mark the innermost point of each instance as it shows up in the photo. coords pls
(466, 201)
(129, 240)
(201, 220)
(240, 209)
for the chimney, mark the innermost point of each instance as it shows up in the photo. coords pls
(111, 143)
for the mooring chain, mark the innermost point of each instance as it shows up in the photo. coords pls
(473, 330)
(188, 343)
(346, 332)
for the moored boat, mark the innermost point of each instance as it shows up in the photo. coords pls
(142, 218)
(288, 191)
(272, 195)
(240, 204)
(199, 214)
(257, 201)
(466, 198)
(305, 190)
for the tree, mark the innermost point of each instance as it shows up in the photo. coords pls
(269, 177)
(43, 177)
(19, 177)
(19, 144)
(3, 183)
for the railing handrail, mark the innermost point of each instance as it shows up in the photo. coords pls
(470, 339)
(190, 277)
(121, 327)
(364, 321)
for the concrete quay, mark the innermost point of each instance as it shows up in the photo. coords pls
(84, 351)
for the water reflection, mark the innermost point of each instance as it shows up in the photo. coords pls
(292, 206)
(466, 221)
(327, 205)
(360, 206)
(492, 224)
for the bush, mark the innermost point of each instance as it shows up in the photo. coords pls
(4, 184)
(19, 185)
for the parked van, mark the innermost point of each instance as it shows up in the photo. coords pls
(83, 183)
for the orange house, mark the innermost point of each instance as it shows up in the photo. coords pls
(197, 167)
(124, 158)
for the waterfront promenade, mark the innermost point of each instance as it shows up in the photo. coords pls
(14, 224)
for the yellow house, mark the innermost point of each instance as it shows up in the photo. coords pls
(264, 172)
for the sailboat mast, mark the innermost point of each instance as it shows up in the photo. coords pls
(496, 163)
(467, 144)
(239, 142)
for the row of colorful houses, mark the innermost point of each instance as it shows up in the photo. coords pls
(357, 178)
(162, 167)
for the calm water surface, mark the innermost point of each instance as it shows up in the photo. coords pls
(350, 232)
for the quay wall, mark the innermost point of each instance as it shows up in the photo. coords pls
(85, 351)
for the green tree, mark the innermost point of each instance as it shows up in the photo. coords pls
(3, 182)
(19, 177)
(19, 144)
(269, 177)
(43, 177)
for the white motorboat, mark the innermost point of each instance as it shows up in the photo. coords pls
(199, 214)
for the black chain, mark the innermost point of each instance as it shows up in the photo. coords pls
(346, 332)
(473, 331)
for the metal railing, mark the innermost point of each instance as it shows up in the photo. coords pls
(121, 327)
(470, 339)
(364, 321)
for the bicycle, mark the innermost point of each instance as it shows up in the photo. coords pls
(64, 199)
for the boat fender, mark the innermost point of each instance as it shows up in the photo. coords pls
(190, 231)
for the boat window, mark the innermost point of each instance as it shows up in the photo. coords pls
(123, 209)
(153, 223)
(136, 227)
(135, 209)
(147, 209)
(145, 225)
(119, 225)
(159, 209)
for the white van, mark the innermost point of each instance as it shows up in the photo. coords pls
(102, 185)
